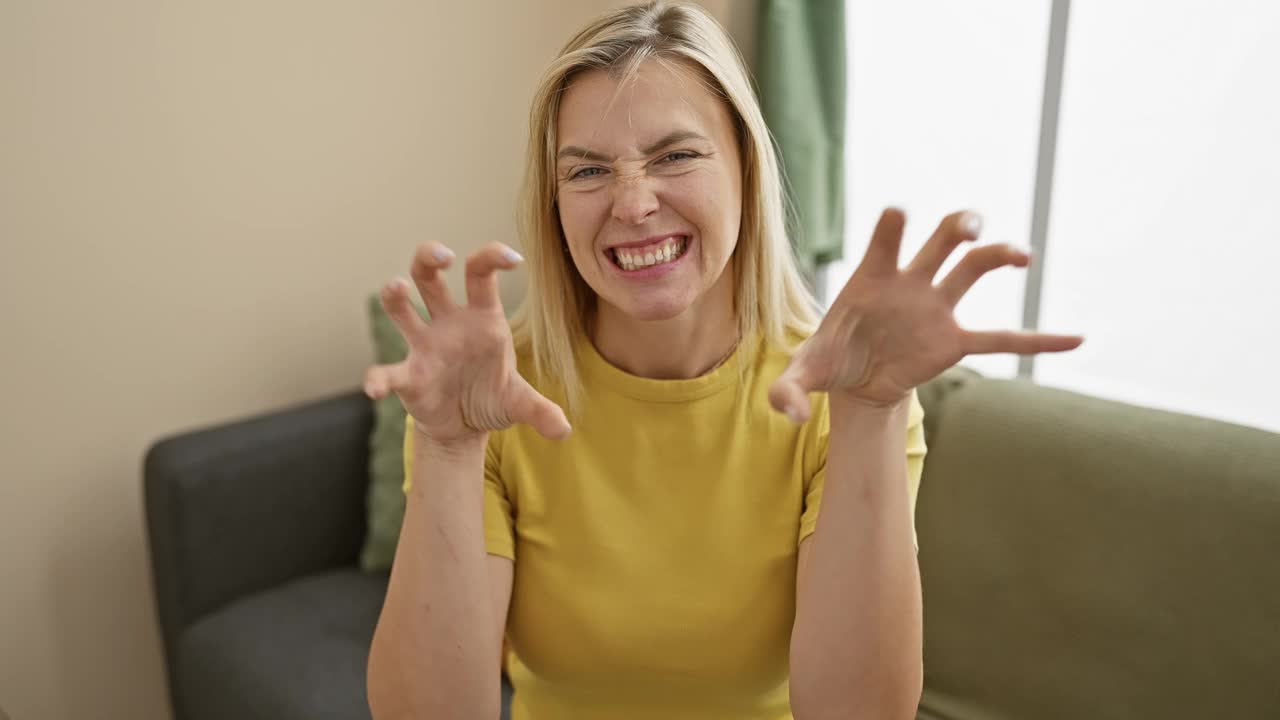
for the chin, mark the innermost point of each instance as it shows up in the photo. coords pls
(658, 313)
(654, 309)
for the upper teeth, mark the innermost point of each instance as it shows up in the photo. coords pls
(665, 251)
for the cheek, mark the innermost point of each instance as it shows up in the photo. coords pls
(711, 202)
(581, 220)
(581, 216)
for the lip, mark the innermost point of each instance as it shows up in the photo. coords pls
(653, 271)
(649, 240)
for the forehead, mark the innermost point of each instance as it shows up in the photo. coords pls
(601, 111)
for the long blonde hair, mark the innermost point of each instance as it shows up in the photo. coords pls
(771, 299)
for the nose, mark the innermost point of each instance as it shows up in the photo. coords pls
(633, 199)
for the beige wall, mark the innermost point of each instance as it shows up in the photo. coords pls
(195, 199)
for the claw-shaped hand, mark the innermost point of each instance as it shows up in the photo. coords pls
(892, 329)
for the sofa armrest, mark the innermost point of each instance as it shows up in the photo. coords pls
(249, 505)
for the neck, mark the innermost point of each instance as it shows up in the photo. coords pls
(706, 333)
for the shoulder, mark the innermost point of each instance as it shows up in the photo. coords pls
(774, 357)
(527, 366)
(524, 360)
(777, 352)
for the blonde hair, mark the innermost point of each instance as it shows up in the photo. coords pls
(771, 299)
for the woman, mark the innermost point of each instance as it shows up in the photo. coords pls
(665, 558)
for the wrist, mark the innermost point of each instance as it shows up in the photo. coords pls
(845, 402)
(863, 432)
(451, 448)
(853, 416)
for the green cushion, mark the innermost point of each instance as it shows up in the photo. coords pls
(1082, 558)
(934, 394)
(385, 501)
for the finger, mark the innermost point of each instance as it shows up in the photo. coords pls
(954, 229)
(976, 263)
(886, 241)
(428, 262)
(482, 278)
(789, 394)
(1020, 342)
(395, 300)
(382, 380)
(530, 407)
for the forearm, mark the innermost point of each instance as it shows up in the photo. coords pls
(856, 646)
(434, 652)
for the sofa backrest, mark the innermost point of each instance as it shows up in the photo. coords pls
(1082, 558)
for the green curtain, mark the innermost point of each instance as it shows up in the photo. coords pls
(801, 75)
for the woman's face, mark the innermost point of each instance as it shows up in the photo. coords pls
(649, 190)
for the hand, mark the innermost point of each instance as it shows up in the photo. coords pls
(459, 380)
(892, 329)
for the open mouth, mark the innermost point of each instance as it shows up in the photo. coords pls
(660, 253)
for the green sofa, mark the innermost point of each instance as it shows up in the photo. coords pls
(1081, 559)
(1087, 559)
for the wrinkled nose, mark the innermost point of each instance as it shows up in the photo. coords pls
(633, 199)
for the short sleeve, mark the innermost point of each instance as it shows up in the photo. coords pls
(915, 467)
(499, 520)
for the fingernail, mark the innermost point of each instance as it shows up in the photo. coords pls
(442, 254)
(972, 223)
(513, 256)
(793, 412)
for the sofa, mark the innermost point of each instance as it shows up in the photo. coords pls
(1079, 558)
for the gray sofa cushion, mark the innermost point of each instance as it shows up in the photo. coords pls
(297, 651)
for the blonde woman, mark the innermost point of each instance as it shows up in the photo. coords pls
(626, 482)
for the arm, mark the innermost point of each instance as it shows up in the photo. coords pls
(856, 646)
(856, 643)
(436, 650)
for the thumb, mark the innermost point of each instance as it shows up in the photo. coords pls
(532, 408)
(789, 394)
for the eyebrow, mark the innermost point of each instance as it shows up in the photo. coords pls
(671, 138)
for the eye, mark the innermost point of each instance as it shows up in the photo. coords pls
(586, 173)
(679, 155)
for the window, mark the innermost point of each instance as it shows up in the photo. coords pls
(1163, 237)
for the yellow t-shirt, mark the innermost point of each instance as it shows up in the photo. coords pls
(655, 549)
